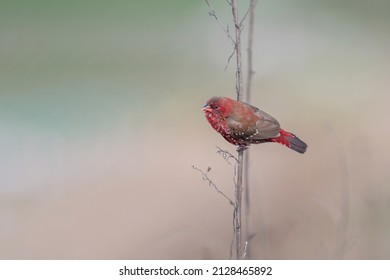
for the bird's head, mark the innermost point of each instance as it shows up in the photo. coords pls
(218, 107)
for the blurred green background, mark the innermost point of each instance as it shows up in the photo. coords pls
(100, 123)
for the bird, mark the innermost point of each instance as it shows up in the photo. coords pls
(242, 124)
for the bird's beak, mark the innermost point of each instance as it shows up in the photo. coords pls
(206, 108)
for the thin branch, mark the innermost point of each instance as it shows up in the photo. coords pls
(250, 48)
(225, 30)
(231, 249)
(250, 10)
(226, 155)
(236, 20)
(214, 14)
(238, 203)
(230, 57)
(206, 178)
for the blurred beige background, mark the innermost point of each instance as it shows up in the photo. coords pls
(100, 123)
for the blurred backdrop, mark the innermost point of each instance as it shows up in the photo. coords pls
(100, 123)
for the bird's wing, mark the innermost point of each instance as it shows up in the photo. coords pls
(258, 126)
(267, 125)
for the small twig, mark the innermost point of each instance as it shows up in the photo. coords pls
(230, 57)
(250, 48)
(251, 8)
(226, 155)
(236, 20)
(206, 178)
(214, 14)
(226, 30)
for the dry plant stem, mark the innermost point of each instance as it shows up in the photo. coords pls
(240, 165)
(226, 155)
(226, 30)
(237, 28)
(206, 178)
(214, 14)
(248, 222)
(237, 222)
(250, 48)
(247, 214)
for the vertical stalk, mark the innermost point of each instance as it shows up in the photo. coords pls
(240, 164)
(237, 205)
(237, 28)
(248, 222)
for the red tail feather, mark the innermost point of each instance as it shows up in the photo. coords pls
(291, 141)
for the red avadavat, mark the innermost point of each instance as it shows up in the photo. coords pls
(243, 124)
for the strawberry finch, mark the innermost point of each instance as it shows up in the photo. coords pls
(242, 124)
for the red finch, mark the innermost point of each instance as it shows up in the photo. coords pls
(243, 124)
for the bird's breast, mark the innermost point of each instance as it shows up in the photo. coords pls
(218, 123)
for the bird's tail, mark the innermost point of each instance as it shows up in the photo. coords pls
(291, 141)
